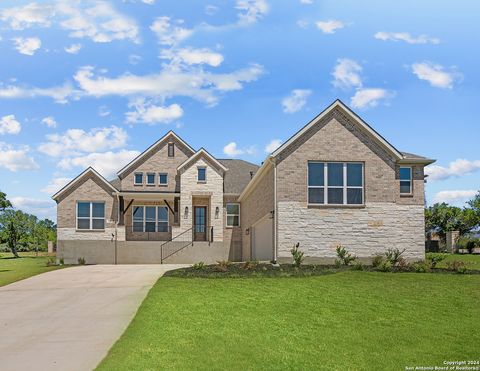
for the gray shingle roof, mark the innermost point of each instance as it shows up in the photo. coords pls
(115, 183)
(239, 174)
(411, 155)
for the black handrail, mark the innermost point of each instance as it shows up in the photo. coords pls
(186, 237)
(162, 235)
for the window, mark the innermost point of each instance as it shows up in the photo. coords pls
(90, 215)
(150, 219)
(150, 178)
(233, 215)
(202, 174)
(335, 183)
(171, 150)
(405, 180)
(163, 179)
(138, 178)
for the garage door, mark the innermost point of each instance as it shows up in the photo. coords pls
(262, 239)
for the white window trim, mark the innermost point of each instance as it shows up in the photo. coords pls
(411, 181)
(145, 218)
(345, 187)
(135, 178)
(205, 180)
(146, 179)
(227, 214)
(159, 177)
(89, 218)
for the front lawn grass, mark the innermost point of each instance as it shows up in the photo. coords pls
(345, 320)
(472, 261)
(27, 265)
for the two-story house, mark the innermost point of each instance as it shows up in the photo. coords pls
(335, 182)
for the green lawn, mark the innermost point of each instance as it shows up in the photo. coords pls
(346, 320)
(27, 265)
(470, 260)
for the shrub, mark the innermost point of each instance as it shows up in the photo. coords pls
(434, 258)
(394, 256)
(338, 263)
(344, 256)
(81, 261)
(249, 265)
(403, 264)
(297, 255)
(61, 261)
(357, 266)
(222, 265)
(377, 260)
(50, 262)
(199, 266)
(420, 267)
(457, 266)
(385, 266)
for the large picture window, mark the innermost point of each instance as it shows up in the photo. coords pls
(233, 215)
(335, 183)
(150, 219)
(90, 215)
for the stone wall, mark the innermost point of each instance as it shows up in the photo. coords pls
(363, 231)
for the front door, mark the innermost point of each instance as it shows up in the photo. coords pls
(200, 223)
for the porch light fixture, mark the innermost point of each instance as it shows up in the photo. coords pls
(217, 212)
(247, 231)
(185, 215)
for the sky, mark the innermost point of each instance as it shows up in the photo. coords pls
(94, 83)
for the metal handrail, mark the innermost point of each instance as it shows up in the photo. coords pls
(147, 235)
(175, 239)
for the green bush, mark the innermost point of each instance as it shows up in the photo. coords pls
(344, 256)
(385, 266)
(468, 242)
(199, 266)
(457, 266)
(394, 256)
(250, 265)
(357, 266)
(434, 258)
(81, 261)
(222, 265)
(297, 255)
(61, 261)
(51, 262)
(420, 267)
(377, 260)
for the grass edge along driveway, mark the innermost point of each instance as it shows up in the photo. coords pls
(348, 320)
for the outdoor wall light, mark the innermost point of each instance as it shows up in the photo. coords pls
(185, 215)
(217, 212)
(247, 231)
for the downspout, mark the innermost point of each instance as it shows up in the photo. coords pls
(275, 214)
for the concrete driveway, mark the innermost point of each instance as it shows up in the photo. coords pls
(68, 319)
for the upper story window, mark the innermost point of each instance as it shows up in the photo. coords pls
(138, 178)
(233, 215)
(163, 179)
(91, 215)
(150, 219)
(202, 174)
(171, 150)
(406, 180)
(335, 183)
(150, 178)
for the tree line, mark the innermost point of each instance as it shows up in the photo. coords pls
(23, 231)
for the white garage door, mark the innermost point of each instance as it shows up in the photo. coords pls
(262, 239)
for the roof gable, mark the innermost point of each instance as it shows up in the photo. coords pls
(155, 145)
(201, 153)
(88, 171)
(355, 118)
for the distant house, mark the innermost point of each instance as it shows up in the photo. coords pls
(334, 182)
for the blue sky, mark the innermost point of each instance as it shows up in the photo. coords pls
(94, 83)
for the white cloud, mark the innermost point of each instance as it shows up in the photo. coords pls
(73, 49)
(330, 26)
(106, 163)
(192, 56)
(149, 2)
(9, 125)
(16, 159)
(232, 150)
(456, 168)
(76, 141)
(369, 97)
(346, 74)
(40, 208)
(49, 121)
(148, 113)
(251, 10)
(405, 36)
(296, 100)
(59, 94)
(273, 145)
(458, 197)
(306, 1)
(435, 74)
(55, 185)
(211, 9)
(27, 45)
(169, 34)
(134, 59)
(103, 111)
(27, 16)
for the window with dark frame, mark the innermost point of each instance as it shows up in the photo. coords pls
(335, 183)
(150, 219)
(171, 150)
(202, 174)
(406, 180)
(163, 179)
(90, 215)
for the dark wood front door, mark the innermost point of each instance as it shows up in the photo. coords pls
(200, 223)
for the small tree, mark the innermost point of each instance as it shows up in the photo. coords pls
(4, 203)
(297, 255)
(15, 228)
